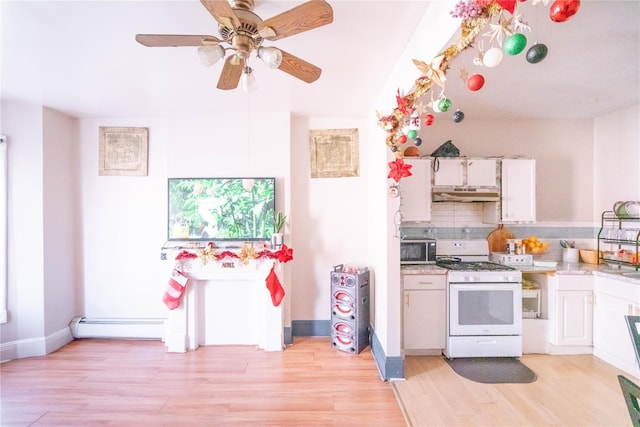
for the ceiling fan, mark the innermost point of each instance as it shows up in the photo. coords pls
(243, 32)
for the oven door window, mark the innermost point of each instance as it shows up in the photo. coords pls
(486, 311)
(485, 308)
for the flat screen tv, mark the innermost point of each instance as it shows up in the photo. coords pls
(213, 209)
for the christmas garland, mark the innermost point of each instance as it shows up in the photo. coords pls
(431, 73)
(247, 254)
(476, 15)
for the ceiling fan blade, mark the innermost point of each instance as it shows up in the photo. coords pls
(299, 68)
(175, 40)
(222, 12)
(230, 76)
(305, 17)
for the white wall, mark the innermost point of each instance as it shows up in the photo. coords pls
(42, 223)
(124, 218)
(60, 220)
(616, 172)
(563, 151)
(329, 219)
(22, 123)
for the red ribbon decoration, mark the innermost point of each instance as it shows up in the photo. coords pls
(185, 255)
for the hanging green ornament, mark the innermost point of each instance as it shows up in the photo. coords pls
(515, 43)
(444, 104)
(412, 134)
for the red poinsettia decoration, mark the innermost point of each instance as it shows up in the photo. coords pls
(399, 169)
(285, 254)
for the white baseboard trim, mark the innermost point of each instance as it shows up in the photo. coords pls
(31, 347)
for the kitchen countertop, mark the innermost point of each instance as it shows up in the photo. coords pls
(626, 275)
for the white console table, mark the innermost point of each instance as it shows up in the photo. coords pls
(226, 303)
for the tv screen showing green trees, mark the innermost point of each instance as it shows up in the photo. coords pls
(221, 208)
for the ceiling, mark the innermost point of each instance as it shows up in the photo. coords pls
(81, 58)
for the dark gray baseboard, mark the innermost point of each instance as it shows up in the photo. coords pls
(311, 328)
(389, 367)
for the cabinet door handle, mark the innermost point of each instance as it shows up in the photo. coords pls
(426, 283)
(630, 310)
(406, 300)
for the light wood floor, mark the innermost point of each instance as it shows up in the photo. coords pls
(136, 383)
(570, 390)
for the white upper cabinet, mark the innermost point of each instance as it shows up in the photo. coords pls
(518, 190)
(449, 172)
(517, 194)
(415, 191)
(459, 172)
(481, 173)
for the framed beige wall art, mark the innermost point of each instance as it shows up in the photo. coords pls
(123, 151)
(334, 153)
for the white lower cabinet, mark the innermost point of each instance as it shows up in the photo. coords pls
(612, 342)
(575, 318)
(569, 308)
(424, 313)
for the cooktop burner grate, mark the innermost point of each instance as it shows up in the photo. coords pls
(472, 265)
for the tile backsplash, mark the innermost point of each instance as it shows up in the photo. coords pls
(450, 220)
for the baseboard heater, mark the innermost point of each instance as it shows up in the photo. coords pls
(150, 329)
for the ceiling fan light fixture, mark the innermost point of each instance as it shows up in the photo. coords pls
(210, 54)
(271, 56)
(248, 80)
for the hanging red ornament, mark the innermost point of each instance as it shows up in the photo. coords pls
(562, 10)
(475, 82)
(428, 119)
(402, 139)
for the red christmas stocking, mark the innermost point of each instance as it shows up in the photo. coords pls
(274, 286)
(175, 289)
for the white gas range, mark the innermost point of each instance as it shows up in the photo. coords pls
(484, 302)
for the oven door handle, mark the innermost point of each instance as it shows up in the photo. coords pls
(485, 287)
